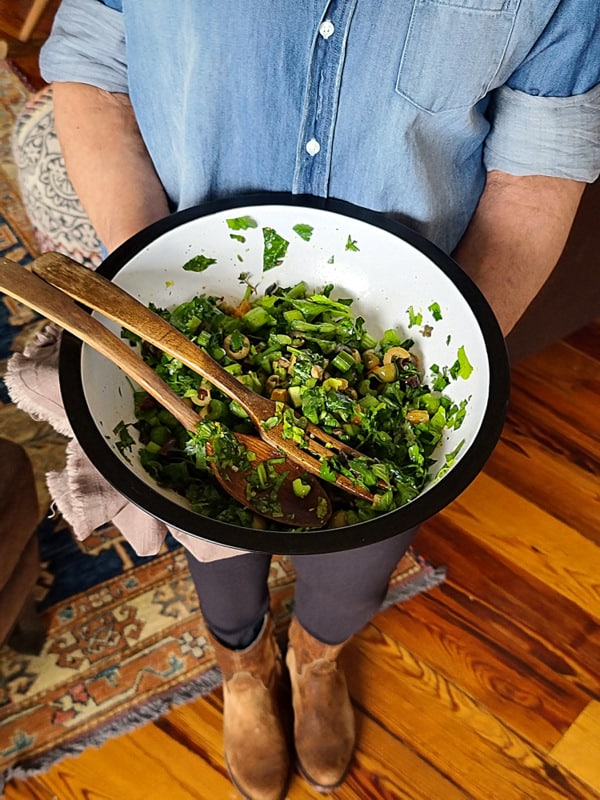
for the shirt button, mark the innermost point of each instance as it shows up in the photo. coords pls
(326, 29)
(312, 147)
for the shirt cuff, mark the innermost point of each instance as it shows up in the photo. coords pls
(86, 45)
(535, 135)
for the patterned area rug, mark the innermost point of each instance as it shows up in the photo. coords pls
(125, 638)
(125, 641)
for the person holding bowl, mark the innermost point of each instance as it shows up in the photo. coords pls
(477, 123)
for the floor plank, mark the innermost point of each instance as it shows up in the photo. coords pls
(502, 580)
(478, 651)
(148, 764)
(455, 733)
(564, 383)
(578, 749)
(537, 543)
(556, 484)
(586, 340)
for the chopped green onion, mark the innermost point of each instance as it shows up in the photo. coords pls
(300, 488)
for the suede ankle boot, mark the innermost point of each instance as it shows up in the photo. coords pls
(256, 749)
(323, 715)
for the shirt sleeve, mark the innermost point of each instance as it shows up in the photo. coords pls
(555, 136)
(546, 119)
(87, 45)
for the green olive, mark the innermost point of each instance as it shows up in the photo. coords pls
(385, 373)
(370, 359)
(338, 519)
(241, 352)
(395, 353)
(280, 395)
(203, 397)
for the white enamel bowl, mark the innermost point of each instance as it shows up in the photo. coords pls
(389, 270)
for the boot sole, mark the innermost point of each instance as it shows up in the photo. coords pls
(243, 791)
(322, 787)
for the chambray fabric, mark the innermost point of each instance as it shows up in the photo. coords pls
(396, 106)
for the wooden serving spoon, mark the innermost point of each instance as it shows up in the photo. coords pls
(97, 292)
(312, 511)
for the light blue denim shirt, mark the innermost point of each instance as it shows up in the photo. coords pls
(396, 106)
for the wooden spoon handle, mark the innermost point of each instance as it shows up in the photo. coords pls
(20, 283)
(102, 295)
(55, 305)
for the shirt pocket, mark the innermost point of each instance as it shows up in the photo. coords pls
(453, 50)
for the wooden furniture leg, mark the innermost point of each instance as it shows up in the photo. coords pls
(19, 556)
(31, 20)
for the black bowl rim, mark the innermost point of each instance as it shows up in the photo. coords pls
(394, 522)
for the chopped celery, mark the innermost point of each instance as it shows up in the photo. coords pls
(300, 487)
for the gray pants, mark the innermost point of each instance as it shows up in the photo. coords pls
(336, 593)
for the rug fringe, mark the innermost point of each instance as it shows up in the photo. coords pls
(428, 580)
(125, 723)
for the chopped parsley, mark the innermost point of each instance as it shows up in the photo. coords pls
(241, 223)
(449, 460)
(462, 367)
(126, 441)
(351, 245)
(303, 231)
(199, 263)
(439, 377)
(274, 250)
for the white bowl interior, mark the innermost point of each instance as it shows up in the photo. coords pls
(385, 275)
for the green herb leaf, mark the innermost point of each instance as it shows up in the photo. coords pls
(462, 367)
(439, 378)
(275, 249)
(133, 338)
(351, 245)
(325, 471)
(126, 441)
(450, 460)
(199, 263)
(241, 223)
(303, 231)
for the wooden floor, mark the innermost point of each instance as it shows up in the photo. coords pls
(486, 688)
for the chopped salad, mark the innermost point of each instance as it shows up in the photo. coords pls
(317, 359)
